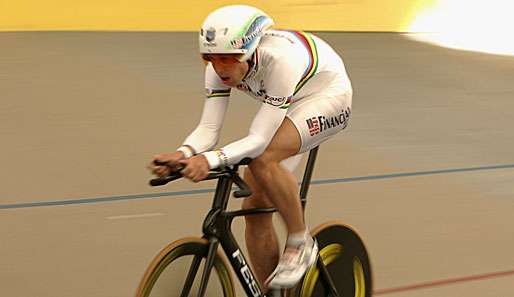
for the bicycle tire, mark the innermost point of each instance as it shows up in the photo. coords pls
(190, 246)
(346, 259)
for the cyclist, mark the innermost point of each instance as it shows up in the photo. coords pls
(306, 98)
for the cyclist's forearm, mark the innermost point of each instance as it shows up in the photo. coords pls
(206, 134)
(263, 128)
(250, 146)
(202, 139)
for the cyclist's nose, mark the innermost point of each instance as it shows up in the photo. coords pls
(222, 69)
(221, 65)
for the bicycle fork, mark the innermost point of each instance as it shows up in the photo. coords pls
(209, 263)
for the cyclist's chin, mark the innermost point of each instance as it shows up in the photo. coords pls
(231, 82)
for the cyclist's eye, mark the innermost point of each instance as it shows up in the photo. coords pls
(229, 60)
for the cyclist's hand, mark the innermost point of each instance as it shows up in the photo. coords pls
(196, 168)
(171, 160)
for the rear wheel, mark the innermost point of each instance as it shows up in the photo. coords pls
(168, 273)
(346, 259)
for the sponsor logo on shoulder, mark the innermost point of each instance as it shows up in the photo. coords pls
(275, 101)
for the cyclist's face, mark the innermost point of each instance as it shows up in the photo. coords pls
(228, 67)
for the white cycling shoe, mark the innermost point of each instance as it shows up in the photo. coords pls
(293, 265)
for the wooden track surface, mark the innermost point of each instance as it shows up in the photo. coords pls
(424, 171)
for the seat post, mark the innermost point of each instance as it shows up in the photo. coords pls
(307, 175)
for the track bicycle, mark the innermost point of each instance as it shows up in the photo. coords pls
(342, 269)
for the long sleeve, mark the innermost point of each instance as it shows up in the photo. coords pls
(263, 128)
(280, 89)
(206, 134)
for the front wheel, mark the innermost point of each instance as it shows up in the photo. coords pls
(177, 270)
(346, 259)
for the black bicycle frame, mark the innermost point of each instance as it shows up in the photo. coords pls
(217, 230)
(217, 227)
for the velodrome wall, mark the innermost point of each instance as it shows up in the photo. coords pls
(174, 15)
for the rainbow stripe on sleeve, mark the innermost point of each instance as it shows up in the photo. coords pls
(309, 44)
(211, 93)
(287, 103)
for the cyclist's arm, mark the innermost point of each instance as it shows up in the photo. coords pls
(206, 134)
(263, 128)
(282, 79)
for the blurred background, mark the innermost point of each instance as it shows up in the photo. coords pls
(91, 90)
(160, 15)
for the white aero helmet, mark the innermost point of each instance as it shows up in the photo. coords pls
(234, 29)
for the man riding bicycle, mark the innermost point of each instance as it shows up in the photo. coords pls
(306, 98)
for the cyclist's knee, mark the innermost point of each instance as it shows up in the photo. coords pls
(259, 199)
(262, 164)
(258, 195)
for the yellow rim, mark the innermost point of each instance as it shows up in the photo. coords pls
(329, 254)
(223, 273)
(358, 276)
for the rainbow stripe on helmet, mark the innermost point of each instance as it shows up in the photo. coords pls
(251, 32)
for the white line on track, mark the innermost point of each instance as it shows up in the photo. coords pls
(135, 216)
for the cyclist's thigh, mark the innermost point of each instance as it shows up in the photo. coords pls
(320, 117)
(292, 162)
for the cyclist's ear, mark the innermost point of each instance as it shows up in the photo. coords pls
(205, 59)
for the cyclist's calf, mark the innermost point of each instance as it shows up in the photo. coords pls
(260, 236)
(258, 199)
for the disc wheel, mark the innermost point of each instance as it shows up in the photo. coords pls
(346, 259)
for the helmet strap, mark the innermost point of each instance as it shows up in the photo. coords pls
(250, 63)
